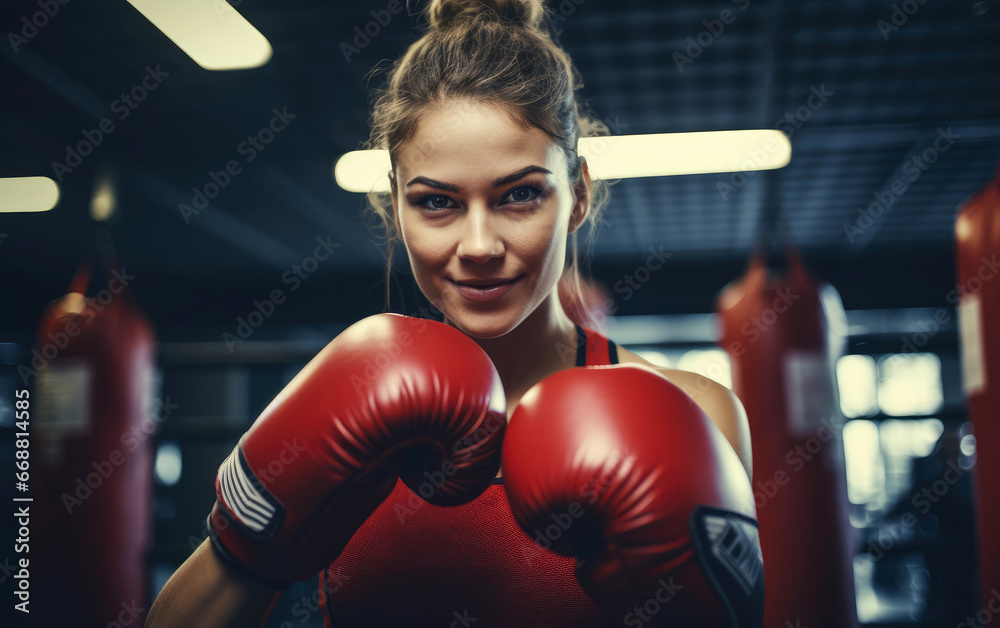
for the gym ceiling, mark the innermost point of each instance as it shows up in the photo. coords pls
(892, 105)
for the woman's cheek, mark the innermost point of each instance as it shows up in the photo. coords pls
(541, 234)
(550, 241)
(428, 246)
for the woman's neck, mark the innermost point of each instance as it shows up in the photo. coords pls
(543, 344)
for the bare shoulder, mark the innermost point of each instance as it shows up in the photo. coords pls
(718, 402)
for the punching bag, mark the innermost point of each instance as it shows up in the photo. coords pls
(977, 235)
(92, 457)
(783, 336)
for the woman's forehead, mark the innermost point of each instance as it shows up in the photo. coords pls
(462, 136)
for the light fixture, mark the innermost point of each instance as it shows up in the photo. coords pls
(104, 202)
(28, 194)
(211, 32)
(622, 156)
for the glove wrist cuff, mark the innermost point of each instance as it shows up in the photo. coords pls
(220, 549)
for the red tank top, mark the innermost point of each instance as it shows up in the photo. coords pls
(414, 564)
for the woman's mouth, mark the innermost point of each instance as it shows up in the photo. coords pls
(485, 289)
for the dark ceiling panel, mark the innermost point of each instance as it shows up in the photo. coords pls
(859, 101)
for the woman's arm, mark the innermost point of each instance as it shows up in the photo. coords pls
(207, 591)
(722, 406)
(718, 402)
(328, 450)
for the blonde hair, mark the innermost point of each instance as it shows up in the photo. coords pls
(491, 52)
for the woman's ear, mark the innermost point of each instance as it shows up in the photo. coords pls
(581, 206)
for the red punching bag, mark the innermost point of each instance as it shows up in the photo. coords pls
(92, 457)
(783, 336)
(977, 235)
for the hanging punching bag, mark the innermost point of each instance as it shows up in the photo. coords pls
(92, 457)
(783, 336)
(977, 235)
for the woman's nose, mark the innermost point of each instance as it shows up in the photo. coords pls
(479, 241)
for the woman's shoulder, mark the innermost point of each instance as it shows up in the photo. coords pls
(694, 384)
(718, 402)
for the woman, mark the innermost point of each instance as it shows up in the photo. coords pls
(481, 122)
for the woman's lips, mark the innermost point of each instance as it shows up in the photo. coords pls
(485, 293)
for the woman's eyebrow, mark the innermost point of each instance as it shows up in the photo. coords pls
(517, 175)
(451, 187)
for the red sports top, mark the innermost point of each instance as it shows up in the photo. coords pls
(414, 564)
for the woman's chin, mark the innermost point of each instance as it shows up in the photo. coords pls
(484, 325)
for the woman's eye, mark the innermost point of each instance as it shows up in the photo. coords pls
(524, 194)
(436, 201)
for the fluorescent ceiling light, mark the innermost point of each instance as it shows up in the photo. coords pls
(668, 154)
(363, 170)
(622, 156)
(211, 32)
(28, 194)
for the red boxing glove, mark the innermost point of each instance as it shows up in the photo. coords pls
(391, 397)
(616, 466)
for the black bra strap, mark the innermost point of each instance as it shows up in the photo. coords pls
(581, 348)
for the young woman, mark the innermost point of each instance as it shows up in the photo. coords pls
(481, 122)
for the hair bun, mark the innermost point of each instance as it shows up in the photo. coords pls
(442, 14)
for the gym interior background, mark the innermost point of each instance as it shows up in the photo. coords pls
(893, 113)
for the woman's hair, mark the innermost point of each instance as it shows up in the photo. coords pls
(495, 53)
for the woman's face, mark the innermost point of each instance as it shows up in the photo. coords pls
(484, 207)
